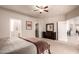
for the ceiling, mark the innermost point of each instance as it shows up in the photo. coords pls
(29, 10)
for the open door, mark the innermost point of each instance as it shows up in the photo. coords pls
(62, 31)
(15, 28)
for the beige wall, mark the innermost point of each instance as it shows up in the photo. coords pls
(5, 26)
(5, 17)
(43, 22)
(73, 13)
(54, 20)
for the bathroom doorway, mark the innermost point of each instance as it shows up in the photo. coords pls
(36, 30)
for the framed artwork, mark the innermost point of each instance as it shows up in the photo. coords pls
(29, 25)
(50, 27)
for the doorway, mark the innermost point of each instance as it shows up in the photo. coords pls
(15, 28)
(36, 30)
(62, 31)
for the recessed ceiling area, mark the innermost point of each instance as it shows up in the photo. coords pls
(29, 10)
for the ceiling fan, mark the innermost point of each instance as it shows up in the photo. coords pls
(41, 8)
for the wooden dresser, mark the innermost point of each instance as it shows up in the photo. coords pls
(49, 35)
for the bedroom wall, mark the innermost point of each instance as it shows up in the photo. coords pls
(43, 22)
(54, 20)
(74, 24)
(5, 17)
(72, 17)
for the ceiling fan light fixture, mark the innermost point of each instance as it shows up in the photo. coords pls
(41, 8)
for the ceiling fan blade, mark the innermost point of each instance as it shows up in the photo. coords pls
(46, 10)
(35, 10)
(37, 6)
(45, 7)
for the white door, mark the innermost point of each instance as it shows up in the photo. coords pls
(15, 28)
(62, 31)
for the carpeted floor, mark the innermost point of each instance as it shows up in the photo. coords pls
(22, 47)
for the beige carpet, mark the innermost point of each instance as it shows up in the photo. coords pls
(23, 47)
(61, 47)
